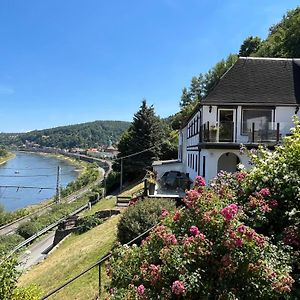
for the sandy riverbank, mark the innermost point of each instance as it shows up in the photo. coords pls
(6, 158)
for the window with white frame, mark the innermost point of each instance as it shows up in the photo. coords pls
(260, 117)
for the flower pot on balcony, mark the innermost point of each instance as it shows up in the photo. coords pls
(213, 135)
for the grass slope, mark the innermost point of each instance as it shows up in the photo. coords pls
(74, 255)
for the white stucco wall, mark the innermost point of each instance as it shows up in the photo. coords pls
(211, 161)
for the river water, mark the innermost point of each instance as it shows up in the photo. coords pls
(32, 170)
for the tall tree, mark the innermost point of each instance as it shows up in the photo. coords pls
(196, 88)
(284, 38)
(185, 99)
(250, 45)
(144, 133)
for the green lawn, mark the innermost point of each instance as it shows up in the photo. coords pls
(74, 255)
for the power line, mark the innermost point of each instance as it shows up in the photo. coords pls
(26, 187)
(41, 175)
(133, 154)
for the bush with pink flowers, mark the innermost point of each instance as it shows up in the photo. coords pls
(202, 251)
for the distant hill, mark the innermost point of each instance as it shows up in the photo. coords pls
(85, 135)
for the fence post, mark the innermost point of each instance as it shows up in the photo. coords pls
(99, 280)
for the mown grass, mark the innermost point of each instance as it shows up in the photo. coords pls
(74, 255)
(131, 189)
(106, 203)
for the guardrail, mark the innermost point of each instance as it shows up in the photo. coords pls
(46, 229)
(96, 264)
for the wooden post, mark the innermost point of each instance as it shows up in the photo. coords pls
(208, 133)
(253, 128)
(99, 271)
(277, 132)
(121, 178)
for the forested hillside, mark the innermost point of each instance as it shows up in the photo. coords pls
(85, 135)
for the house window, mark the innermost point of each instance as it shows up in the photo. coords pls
(260, 117)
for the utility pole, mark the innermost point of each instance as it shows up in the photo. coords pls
(121, 179)
(58, 185)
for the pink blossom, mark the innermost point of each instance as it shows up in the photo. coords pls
(170, 239)
(194, 230)
(178, 287)
(264, 192)
(176, 216)
(238, 242)
(266, 208)
(242, 228)
(164, 213)
(240, 176)
(229, 212)
(273, 203)
(140, 289)
(190, 198)
(199, 181)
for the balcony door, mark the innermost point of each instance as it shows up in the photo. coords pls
(226, 119)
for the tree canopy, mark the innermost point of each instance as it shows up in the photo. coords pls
(145, 133)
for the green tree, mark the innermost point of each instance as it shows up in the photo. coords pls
(250, 45)
(185, 99)
(284, 38)
(196, 88)
(144, 133)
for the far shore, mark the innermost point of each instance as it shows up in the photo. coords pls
(6, 158)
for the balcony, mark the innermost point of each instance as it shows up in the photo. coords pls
(257, 133)
(221, 132)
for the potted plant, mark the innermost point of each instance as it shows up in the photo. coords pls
(213, 130)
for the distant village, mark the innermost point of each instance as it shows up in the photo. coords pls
(103, 151)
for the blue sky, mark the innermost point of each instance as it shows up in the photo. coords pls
(72, 61)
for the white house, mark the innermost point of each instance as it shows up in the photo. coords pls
(252, 104)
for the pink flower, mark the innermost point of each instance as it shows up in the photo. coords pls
(194, 230)
(140, 289)
(229, 212)
(199, 181)
(176, 216)
(242, 228)
(238, 242)
(170, 239)
(164, 213)
(178, 288)
(273, 203)
(190, 198)
(264, 192)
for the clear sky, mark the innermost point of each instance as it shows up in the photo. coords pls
(72, 61)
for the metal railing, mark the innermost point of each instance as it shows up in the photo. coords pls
(98, 264)
(218, 132)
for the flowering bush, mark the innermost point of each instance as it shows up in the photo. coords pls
(202, 251)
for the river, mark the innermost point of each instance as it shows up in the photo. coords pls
(34, 170)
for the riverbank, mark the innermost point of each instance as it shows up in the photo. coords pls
(6, 158)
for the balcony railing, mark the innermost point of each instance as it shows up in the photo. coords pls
(218, 132)
(226, 132)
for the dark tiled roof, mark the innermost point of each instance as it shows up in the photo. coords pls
(270, 81)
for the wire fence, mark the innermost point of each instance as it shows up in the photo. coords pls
(97, 265)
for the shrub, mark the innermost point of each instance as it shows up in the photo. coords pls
(140, 217)
(87, 223)
(8, 242)
(8, 283)
(202, 251)
(31, 292)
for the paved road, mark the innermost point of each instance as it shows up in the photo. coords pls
(37, 252)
